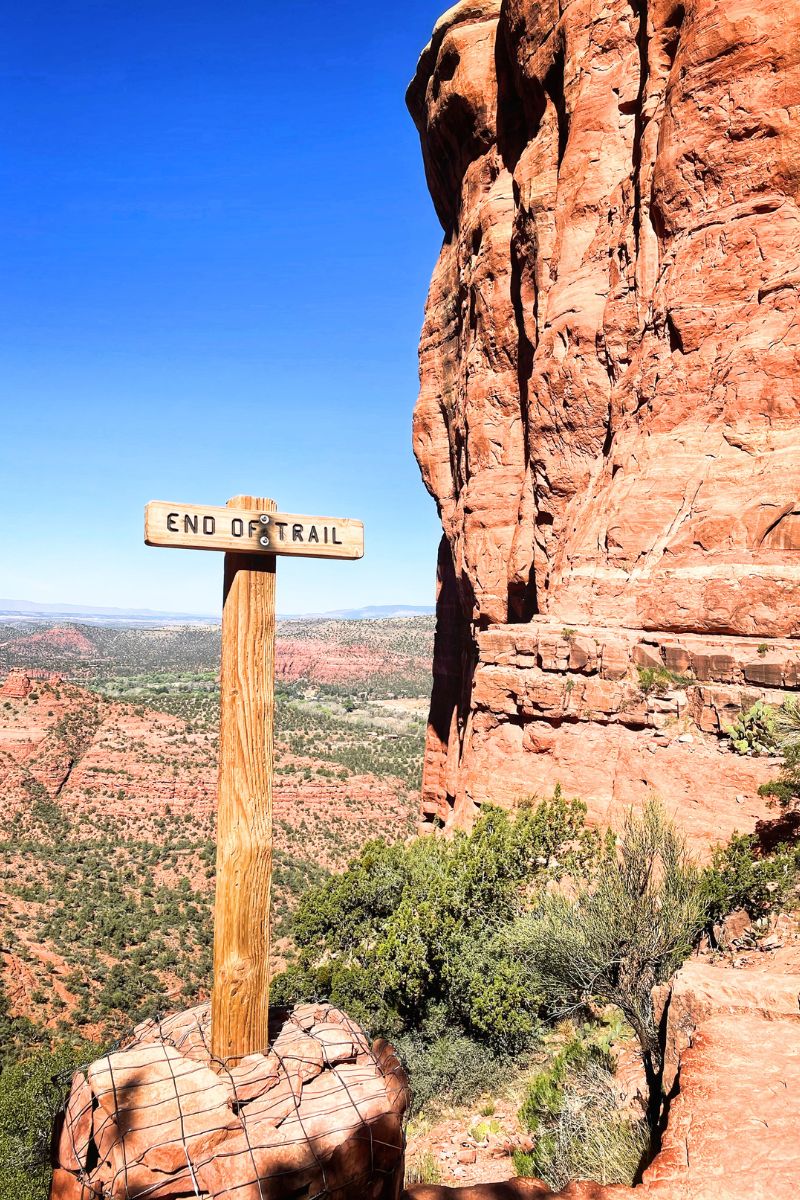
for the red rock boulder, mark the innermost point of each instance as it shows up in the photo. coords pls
(320, 1114)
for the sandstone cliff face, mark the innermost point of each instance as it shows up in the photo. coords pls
(608, 408)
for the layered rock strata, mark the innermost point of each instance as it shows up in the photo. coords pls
(608, 408)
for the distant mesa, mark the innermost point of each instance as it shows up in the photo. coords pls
(58, 637)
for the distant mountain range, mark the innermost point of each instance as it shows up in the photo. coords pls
(24, 610)
(372, 612)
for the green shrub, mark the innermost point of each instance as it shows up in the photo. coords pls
(492, 996)
(786, 788)
(753, 732)
(545, 1096)
(19, 1036)
(414, 935)
(629, 927)
(31, 1093)
(451, 1067)
(739, 878)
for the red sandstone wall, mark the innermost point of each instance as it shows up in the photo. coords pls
(609, 395)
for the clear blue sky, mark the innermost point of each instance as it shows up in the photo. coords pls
(216, 246)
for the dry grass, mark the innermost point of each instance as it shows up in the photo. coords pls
(588, 1138)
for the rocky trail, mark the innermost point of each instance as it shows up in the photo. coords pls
(732, 1070)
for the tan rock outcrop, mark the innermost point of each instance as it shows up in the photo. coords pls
(319, 1114)
(608, 407)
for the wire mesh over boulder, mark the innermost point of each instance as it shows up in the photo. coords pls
(318, 1115)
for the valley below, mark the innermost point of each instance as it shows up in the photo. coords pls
(108, 761)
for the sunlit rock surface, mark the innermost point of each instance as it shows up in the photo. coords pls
(608, 408)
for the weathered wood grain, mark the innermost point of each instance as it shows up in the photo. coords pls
(240, 999)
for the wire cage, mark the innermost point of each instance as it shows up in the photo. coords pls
(318, 1115)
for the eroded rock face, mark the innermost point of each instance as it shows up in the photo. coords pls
(608, 407)
(732, 1064)
(320, 1114)
(17, 686)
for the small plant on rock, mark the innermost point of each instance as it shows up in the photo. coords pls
(753, 732)
(659, 680)
(423, 1169)
(484, 1129)
(739, 877)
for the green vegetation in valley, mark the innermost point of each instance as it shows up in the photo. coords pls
(131, 918)
(84, 652)
(366, 739)
(191, 695)
(128, 662)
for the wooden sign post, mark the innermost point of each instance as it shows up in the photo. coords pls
(251, 533)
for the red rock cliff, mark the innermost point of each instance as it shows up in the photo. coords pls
(609, 397)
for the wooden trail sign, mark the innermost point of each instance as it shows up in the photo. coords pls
(251, 533)
(246, 528)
